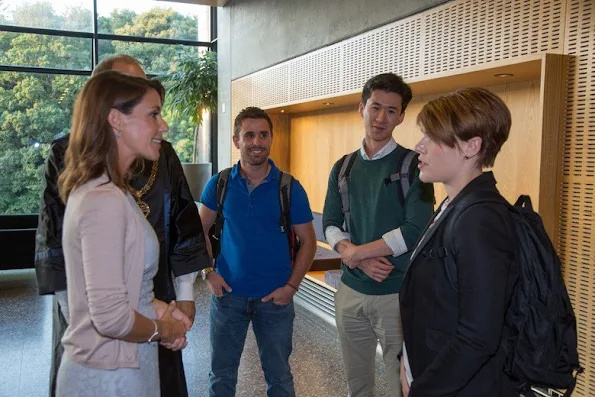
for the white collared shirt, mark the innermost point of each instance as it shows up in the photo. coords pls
(385, 151)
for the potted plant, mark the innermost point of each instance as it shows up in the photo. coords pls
(192, 95)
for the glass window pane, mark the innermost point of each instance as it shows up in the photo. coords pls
(182, 131)
(160, 19)
(36, 50)
(155, 58)
(56, 14)
(35, 109)
(180, 134)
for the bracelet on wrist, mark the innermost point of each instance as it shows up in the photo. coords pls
(292, 286)
(154, 333)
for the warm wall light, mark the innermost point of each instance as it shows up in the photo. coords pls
(503, 75)
(282, 110)
(327, 103)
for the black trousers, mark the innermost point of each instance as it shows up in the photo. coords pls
(171, 367)
(59, 325)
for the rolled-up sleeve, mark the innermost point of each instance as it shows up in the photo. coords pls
(185, 286)
(332, 215)
(103, 233)
(333, 235)
(395, 241)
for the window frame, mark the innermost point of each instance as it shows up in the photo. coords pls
(95, 36)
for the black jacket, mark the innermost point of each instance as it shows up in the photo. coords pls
(174, 216)
(452, 329)
(49, 258)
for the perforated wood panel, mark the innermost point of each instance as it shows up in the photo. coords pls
(241, 94)
(240, 98)
(317, 74)
(576, 246)
(577, 234)
(266, 94)
(472, 32)
(446, 38)
(395, 48)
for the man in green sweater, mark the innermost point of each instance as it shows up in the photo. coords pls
(374, 223)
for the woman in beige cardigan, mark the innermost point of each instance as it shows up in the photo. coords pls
(111, 251)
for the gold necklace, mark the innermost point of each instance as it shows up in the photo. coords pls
(138, 194)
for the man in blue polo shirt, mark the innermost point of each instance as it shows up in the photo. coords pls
(254, 279)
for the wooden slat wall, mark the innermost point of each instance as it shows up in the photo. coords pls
(318, 140)
(576, 233)
(280, 153)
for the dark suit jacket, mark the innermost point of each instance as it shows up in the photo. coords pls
(49, 258)
(453, 325)
(174, 217)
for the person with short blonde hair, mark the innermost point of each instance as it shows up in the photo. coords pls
(464, 115)
(460, 278)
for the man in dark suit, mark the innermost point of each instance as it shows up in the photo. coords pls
(162, 192)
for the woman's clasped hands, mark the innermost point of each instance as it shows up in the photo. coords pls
(172, 325)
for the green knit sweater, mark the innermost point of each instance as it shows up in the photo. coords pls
(376, 210)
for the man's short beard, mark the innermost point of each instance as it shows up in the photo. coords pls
(248, 159)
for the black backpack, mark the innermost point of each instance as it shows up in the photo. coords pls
(285, 226)
(542, 349)
(404, 175)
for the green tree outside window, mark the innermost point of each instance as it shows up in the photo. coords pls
(35, 109)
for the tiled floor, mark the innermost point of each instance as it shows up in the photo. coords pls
(26, 326)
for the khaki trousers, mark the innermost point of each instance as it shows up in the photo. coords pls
(363, 321)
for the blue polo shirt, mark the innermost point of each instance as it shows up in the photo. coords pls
(254, 258)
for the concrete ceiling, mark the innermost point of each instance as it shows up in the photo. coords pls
(212, 3)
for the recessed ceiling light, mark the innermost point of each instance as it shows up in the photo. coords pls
(327, 103)
(503, 75)
(282, 110)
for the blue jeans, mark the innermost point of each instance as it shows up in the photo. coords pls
(273, 328)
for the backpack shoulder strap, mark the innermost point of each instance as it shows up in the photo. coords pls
(470, 200)
(285, 224)
(342, 179)
(407, 173)
(222, 179)
(285, 183)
